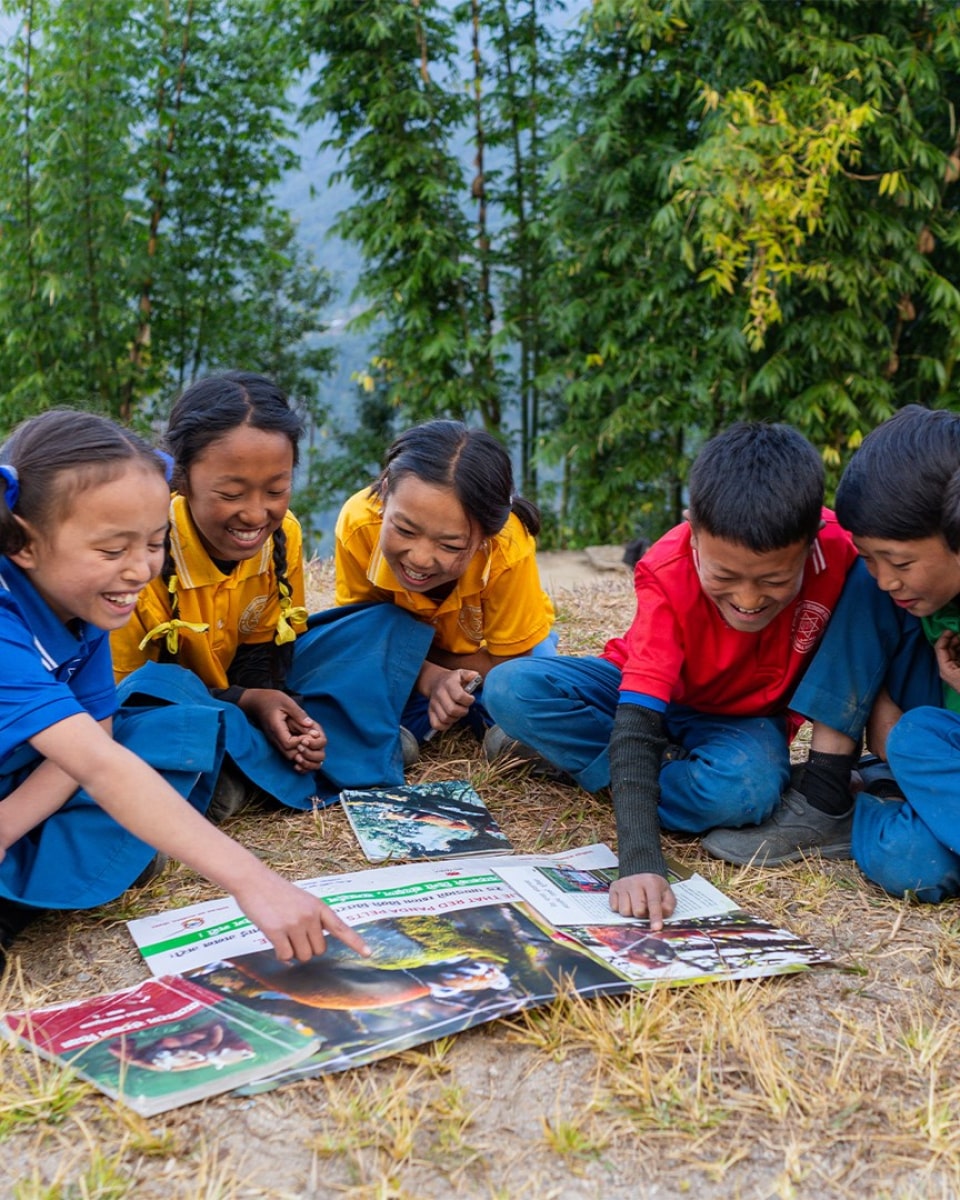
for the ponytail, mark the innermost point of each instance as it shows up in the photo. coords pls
(527, 513)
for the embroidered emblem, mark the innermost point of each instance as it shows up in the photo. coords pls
(809, 622)
(471, 622)
(250, 617)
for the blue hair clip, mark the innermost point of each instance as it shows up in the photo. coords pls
(168, 464)
(11, 485)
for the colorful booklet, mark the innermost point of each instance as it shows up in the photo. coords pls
(165, 1042)
(422, 821)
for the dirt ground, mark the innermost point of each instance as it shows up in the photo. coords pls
(843, 1081)
(561, 570)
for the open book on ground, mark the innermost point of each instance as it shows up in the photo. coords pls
(161, 1044)
(422, 821)
(461, 942)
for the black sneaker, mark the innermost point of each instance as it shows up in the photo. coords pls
(795, 830)
(154, 867)
(409, 748)
(873, 775)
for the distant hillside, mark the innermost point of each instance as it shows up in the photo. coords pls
(314, 202)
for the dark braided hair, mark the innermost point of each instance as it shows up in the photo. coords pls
(206, 412)
(282, 656)
(471, 462)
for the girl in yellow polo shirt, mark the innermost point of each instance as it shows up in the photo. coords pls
(307, 706)
(443, 535)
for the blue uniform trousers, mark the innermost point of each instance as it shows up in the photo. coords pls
(353, 670)
(869, 644)
(80, 857)
(914, 844)
(734, 772)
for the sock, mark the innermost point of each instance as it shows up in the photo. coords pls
(825, 781)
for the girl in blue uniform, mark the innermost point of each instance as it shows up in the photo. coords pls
(307, 707)
(83, 514)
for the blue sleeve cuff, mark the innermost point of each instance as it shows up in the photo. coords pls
(658, 705)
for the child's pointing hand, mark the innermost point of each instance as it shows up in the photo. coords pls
(649, 897)
(295, 922)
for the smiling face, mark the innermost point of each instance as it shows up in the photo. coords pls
(921, 575)
(426, 538)
(238, 490)
(748, 588)
(93, 564)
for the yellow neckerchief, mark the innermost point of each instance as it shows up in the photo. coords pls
(289, 612)
(171, 629)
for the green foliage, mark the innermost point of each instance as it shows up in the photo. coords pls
(349, 456)
(760, 221)
(385, 81)
(139, 245)
(454, 258)
(842, 232)
(603, 242)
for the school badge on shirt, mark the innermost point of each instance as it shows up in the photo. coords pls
(809, 622)
(471, 622)
(250, 617)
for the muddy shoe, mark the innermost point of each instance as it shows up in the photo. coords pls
(873, 775)
(231, 795)
(498, 746)
(795, 830)
(409, 748)
(154, 867)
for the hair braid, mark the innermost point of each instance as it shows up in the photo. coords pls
(168, 632)
(168, 576)
(285, 636)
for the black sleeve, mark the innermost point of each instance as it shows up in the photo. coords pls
(636, 747)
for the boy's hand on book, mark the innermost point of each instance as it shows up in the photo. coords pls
(295, 922)
(647, 896)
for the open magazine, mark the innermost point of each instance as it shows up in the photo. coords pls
(458, 943)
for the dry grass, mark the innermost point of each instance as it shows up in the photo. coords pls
(842, 1082)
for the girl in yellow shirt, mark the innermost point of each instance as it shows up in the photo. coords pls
(443, 535)
(307, 706)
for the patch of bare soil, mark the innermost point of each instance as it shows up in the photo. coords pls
(843, 1081)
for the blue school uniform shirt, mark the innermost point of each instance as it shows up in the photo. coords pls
(50, 672)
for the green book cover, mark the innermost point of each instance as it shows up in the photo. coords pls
(161, 1044)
